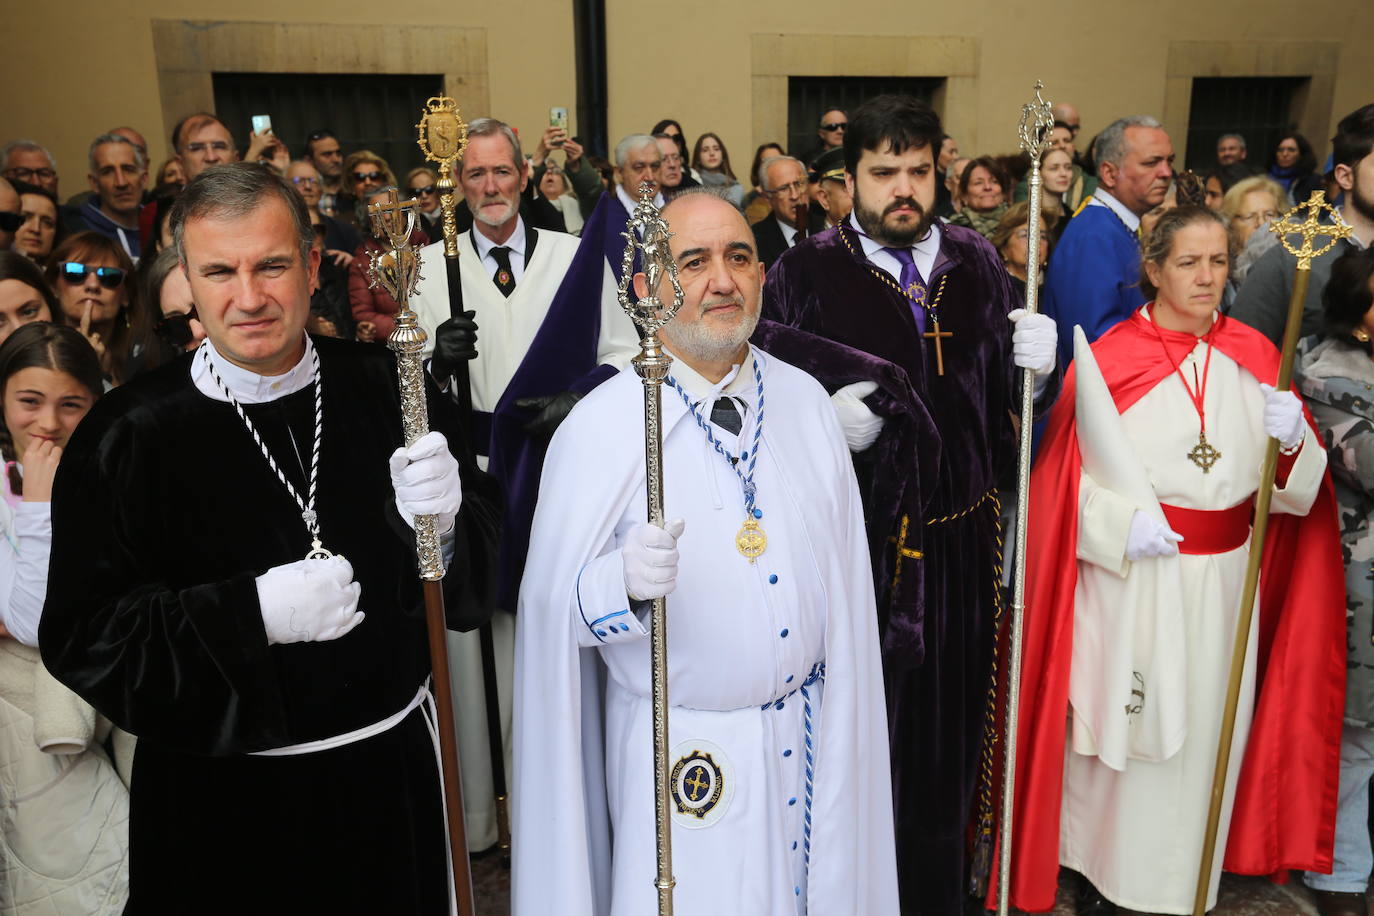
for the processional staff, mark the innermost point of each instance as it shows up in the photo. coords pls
(1037, 119)
(647, 233)
(398, 271)
(1312, 227)
(443, 138)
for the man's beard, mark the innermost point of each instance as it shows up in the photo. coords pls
(874, 226)
(700, 341)
(483, 216)
(1362, 199)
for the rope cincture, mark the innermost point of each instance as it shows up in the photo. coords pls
(307, 506)
(753, 452)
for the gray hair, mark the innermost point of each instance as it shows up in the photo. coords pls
(1110, 145)
(766, 166)
(629, 145)
(140, 160)
(232, 191)
(487, 127)
(19, 146)
(1237, 137)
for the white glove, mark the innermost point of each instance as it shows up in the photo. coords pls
(1034, 342)
(309, 601)
(425, 478)
(1149, 538)
(650, 560)
(861, 425)
(1283, 419)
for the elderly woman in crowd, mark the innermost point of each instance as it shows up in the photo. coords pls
(1011, 238)
(557, 189)
(93, 278)
(711, 161)
(24, 295)
(422, 184)
(37, 236)
(64, 838)
(1250, 205)
(363, 172)
(982, 196)
(1336, 377)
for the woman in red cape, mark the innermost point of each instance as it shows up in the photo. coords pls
(1285, 801)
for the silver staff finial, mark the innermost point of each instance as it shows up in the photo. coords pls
(647, 233)
(1037, 119)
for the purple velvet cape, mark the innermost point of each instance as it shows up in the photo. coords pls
(937, 648)
(561, 358)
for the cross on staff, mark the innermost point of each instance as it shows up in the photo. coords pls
(1310, 228)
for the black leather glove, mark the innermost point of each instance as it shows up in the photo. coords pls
(455, 342)
(553, 408)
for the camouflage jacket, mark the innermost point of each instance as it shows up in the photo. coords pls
(1337, 381)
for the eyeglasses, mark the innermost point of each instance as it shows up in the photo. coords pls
(175, 328)
(672, 159)
(75, 273)
(23, 174)
(1259, 216)
(10, 221)
(842, 125)
(305, 180)
(368, 176)
(796, 187)
(200, 146)
(426, 191)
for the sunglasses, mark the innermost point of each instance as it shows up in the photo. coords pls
(175, 328)
(427, 190)
(368, 176)
(10, 221)
(75, 273)
(843, 125)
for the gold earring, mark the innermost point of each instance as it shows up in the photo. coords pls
(1362, 335)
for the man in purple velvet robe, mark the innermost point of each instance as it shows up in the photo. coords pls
(928, 306)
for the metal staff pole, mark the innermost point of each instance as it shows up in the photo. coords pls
(397, 271)
(1036, 121)
(443, 138)
(1309, 228)
(647, 233)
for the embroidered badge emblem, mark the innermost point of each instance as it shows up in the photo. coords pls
(702, 783)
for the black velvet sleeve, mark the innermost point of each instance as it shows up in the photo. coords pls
(181, 665)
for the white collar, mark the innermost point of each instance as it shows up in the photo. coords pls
(630, 203)
(1105, 198)
(735, 383)
(788, 232)
(247, 386)
(516, 242)
(926, 248)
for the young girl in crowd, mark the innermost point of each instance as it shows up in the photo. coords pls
(24, 295)
(54, 773)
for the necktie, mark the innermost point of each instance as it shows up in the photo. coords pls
(913, 284)
(504, 278)
(725, 414)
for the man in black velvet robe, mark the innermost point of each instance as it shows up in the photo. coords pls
(170, 526)
(878, 284)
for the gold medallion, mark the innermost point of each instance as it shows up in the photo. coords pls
(751, 541)
(1204, 454)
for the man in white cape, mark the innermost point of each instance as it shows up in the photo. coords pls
(781, 798)
(510, 274)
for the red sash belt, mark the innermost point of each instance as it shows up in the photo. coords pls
(1210, 531)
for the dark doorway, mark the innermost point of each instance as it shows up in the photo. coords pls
(809, 97)
(366, 111)
(1259, 108)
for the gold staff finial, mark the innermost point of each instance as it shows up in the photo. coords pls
(1037, 118)
(396, 270)
(443, 138)
(1309, 228)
